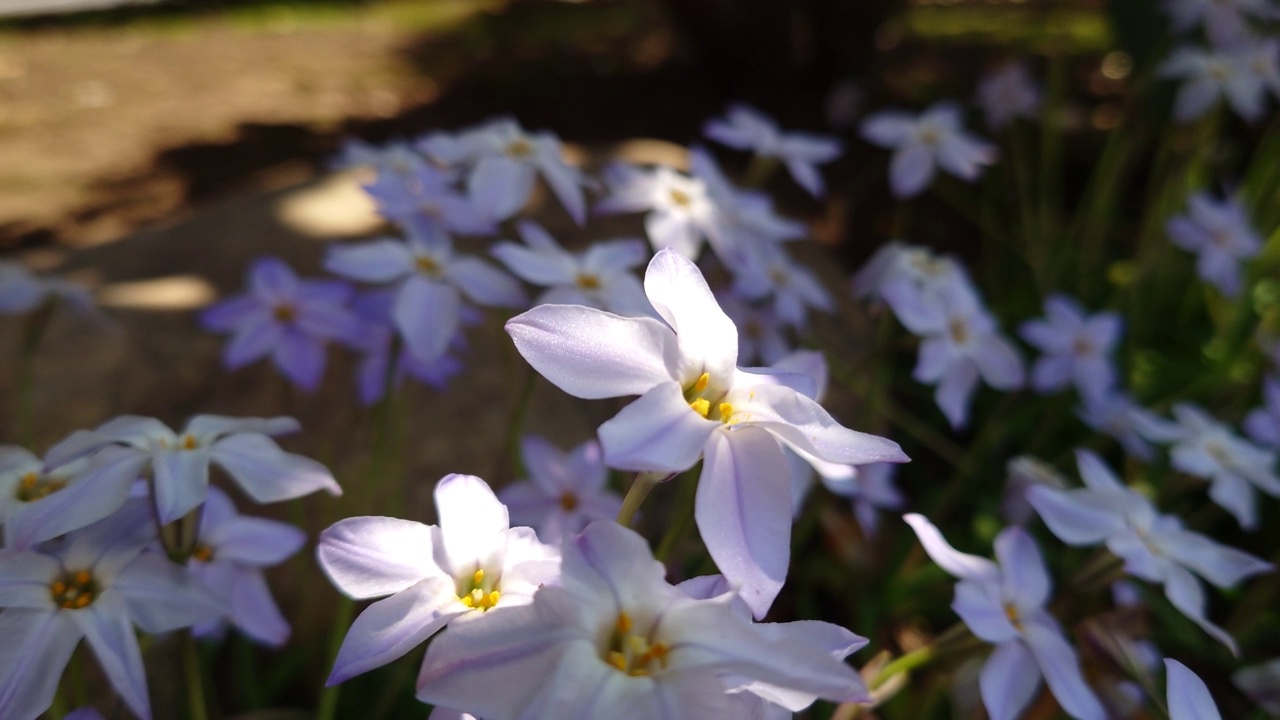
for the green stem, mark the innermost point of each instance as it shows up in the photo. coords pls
(195, 683)
(639, 490)
(342, 619)
(678, 527)
(904, 664)
(516, 422)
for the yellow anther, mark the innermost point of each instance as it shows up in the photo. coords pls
(29, 480)
(623, 625)
(203, 553)
(492, 600)
(588, 282)
(617, 660)
(58, 587)
(701, 383)
(477, 577)
(520, 148)
(681, 198)
(1015, 618)
(466, 600)
(427, 265)
(83, 577)
(83, 601)
(658, 652)
(189, 442)
(726, 410)
(702, 406)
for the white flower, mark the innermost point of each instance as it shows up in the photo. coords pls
(1211, 75)
(746, 128)
(922, 143)
(564, 490)
(1008, 93)
(1221, 236)
(1077, 348)
(472, 562)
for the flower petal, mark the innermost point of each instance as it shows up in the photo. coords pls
(743, 511)
(472, 520)
(181, 481)
(961, 565)
(659, 431)
(37, 647)
(426, 314)
(1009, 680)
(106, 627)
(1189, 699)
(1022, 568)
(267, 473)
(373, 556)
(593, 354)
(707, 338)
(805, 424)
(1061, 668)
(389, 628)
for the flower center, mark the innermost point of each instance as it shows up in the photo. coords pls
(587, 282)
(681, 198)
(779, 277)
(478, 594)
(285, 313)
(959, 330)
(203, 553)
(519, 148)
(694, 395)
(74, 591)
(634, 654)
(1082, 347)
(1219, 453)
(1015, 617)
(568, 501)
(929, 135)
(427, 266)
(33, 486)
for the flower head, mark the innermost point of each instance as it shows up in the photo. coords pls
(922, 143)
(21, 291)
(1077, 348)
(1008, 93)
(695, 403)
(1220, 235)
(745, 128)
(290, 319)
(1155, 547)
(1003, 604)
(1212, 75)
(600, 277)
(96, 585)
(180, 462)
(1188, 697)
(564, 490)
(617, 635)
(434, 575)
(1116, 414)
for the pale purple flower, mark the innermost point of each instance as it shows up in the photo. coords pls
(435, 575)
(96, 585)
(792, 289)
(1219, 233)
(1008, 93)
(1261, 683)
(1205, 448)
(24, 486)
(431, 281)
(21, 291)
(1263, 424)
(428, 195)
(179, 463)
(745, 128)
(396, 157)
(923, 143)
(1188, 697)
(1076, 348)
(1003, 604)
(504, 161)
(746, 217)
(230, 554)
(1224, 21)
(371, 373)
(1212, 75)
(1116, 414)
(960, 343)
(289, 319)
(696, 403)
(564, 491)
(599, 277)
(616, 637)
(1155, 547)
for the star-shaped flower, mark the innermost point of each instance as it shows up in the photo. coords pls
(745, 128)
(470, 563)
(1003, 604)
(922, 143)
(1213, 75)
(22, 291)
(1219, 233)
(1155, 547)
(1008, 93)
(617, 638)
(695, 403)
(1077, 348)
(564, 490)
(290, 319)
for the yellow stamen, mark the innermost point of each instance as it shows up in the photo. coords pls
(477, 577)
(701, 384)
(426, 265)
(617, 660)
(466, 600)
(285, 313)
(1015, 618)
(726, 410)
(520, 148)
(588, 282)
(189, 443)
(702, 406)
(29, 480)
(623, 625)
(568, 501)
(203, 553)
(681, 198)
(58, 587)
(83, 601)
(83, 577)
(492, 600)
